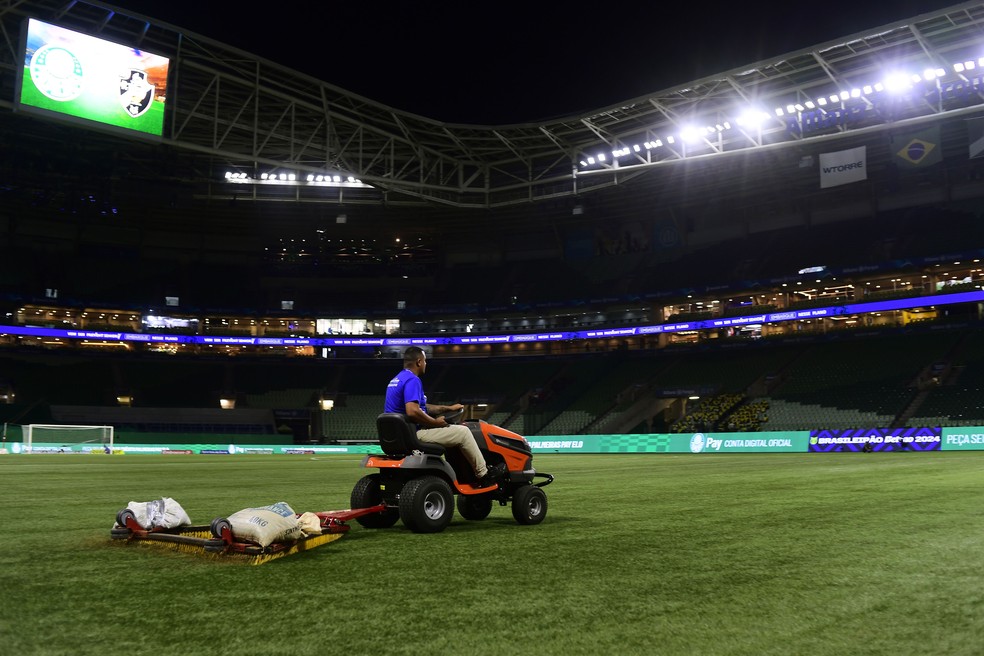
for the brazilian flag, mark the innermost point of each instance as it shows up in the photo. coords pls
(917, 149)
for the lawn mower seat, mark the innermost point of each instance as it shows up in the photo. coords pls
(398, 437)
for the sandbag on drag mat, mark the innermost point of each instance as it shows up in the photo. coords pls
(267, 524)
(160, 513)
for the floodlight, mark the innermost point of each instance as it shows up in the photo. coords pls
(897, 82)
(809, 104)
(855, 93)
(591, 160)
(310, 177)
(835, 98)
(958, 68)
(752, 118)
(821, 101)
(867, 89)
(690, 134)
(844, 95)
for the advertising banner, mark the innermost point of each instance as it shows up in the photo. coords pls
(843, 167)
(772, 442)
(923, 438)
(196, 449)
(963, 438)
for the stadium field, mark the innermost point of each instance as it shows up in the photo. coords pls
(849, 553)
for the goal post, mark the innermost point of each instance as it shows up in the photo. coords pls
(67, 435)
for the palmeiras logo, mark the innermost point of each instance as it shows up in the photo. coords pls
(136, 93)
(57, 73)
(697, 443)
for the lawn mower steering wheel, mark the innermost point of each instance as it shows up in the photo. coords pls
(454, 416)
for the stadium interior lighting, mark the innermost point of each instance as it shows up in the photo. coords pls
(289, 177)
(897, 82)
(894, 82)
(691, 134)
(752, 118)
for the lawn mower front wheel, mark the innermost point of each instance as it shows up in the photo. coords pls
(426, 504)
(529, 505)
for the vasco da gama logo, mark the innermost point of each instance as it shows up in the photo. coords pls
(136, 93)
(57, 73)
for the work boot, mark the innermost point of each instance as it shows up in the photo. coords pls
(492, 475)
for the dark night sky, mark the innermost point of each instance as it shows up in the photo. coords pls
(509, 62)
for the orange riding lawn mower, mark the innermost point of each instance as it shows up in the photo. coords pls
(417, 485)
(416, 482)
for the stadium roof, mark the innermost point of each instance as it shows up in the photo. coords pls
(240, 113)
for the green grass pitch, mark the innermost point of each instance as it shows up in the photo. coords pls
(640, 554)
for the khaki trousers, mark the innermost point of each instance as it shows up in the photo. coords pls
(456, 436)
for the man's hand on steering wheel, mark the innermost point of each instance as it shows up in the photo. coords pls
(454, 413)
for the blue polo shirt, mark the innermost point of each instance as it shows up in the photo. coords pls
(404, 388)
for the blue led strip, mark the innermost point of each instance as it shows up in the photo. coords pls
(708, 324)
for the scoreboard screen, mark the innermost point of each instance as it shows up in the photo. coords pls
(90, 81)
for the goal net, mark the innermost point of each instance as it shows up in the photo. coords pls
(67, 436)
